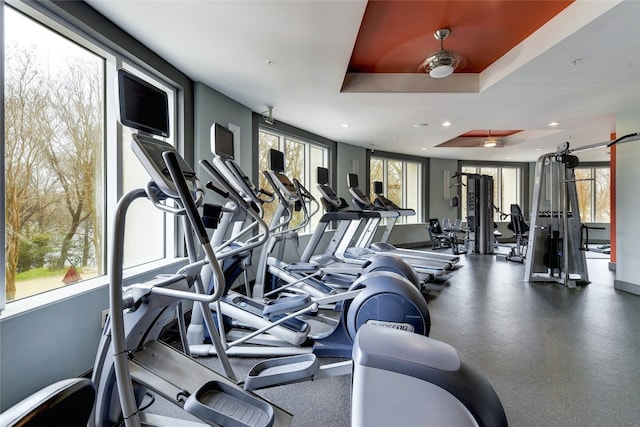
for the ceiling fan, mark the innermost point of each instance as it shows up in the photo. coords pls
(491, 142)
(443, 62)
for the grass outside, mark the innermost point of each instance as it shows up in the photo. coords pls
(40, 273)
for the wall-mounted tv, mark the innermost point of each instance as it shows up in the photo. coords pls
(352, 180)
(221, 141)
(276, 160)
(142, 106)
(323, 175)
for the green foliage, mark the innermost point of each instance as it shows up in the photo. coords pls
(33, 251)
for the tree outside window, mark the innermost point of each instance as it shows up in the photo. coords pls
(302, 159)
(400, 182)
(593, 188)
(507, 187)
(53, 159)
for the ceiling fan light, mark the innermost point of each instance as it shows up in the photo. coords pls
(441, 71)
(490, 143)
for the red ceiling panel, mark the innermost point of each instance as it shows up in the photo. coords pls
(396, 36)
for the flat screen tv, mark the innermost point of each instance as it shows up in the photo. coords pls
(222, 141)
(276, 160)
(142, 106)
(352, 180)
(323, 175)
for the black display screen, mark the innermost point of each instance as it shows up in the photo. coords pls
(276, 160)
(352, 180)
(323, 175)
(223, 142)
(142, 106)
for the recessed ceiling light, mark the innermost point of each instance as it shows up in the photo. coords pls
(538, 149)
(553, 124)
(421, 125)
(269, 61)
(446, 124)
(345, 125)
(424, 148)
(576, 61)
(508, 158)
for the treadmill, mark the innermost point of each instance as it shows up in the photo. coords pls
(349, 224)
(337, 271)
(382, 246)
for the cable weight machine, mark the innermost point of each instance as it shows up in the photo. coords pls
(554, 253)
(479, 189)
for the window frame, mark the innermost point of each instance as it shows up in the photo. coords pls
(82, 25)
(285, 130)
(524, 189)
(2, 166)
(423, 180)
(592, 166)
(284, 139)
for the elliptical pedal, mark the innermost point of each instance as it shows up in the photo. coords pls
(282, 370)
(229, 406)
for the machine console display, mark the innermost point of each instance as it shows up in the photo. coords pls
(222, 142)
(142, 106)
(149, 152)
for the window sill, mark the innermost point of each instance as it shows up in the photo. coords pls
(54, 296)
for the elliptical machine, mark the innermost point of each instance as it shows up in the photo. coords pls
(431, 384)
(131, 360)
(379, 295)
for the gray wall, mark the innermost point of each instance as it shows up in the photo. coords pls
(48, 344)
(211, 107)
(351, 159)
(439, 206)
(627, 203)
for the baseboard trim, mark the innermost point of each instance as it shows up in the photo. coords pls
(621, 285)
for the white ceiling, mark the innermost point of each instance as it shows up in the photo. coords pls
(228, 46)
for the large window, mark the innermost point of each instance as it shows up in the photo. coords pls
(507, 187)
(66, 160)
(53, 158)
(302, 158)
(401, 183)
(593, 188)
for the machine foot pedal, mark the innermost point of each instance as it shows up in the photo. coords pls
(282, 370)
(227, 405)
